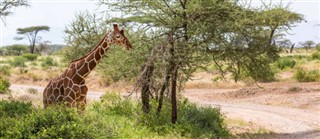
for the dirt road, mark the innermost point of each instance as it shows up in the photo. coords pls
(284, 120)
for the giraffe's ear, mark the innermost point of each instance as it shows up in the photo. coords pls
(115, 27)
(122, 32)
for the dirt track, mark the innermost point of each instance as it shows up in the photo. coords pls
(298, 123)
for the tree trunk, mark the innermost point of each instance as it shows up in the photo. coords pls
(291, 48)
(174, 114)
(163, 88)
(145, 90)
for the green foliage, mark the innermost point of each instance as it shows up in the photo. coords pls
(114, 104)
(307, 76)
(4, 85)
(7, 7)
(113, 117)
(81, 42)
(48, 62)
(30, 57)
(56, 122)
(5, 70)
(18, 61)
(318, 47)
(201, 121)
(14, 108)
(15, 50)
(31, 34)
(316, 55)
(283, 63)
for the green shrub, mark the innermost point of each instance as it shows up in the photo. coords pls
(318, 48)
(53, 122)
(18, 61)
(5, 70)
(315, 55)
(307, 76)
(285, 63)
(30, 57)
(201, 121)
(114, 104)
(299, 57)
(193, 121)
(4, 86)
(113, 117)
(48, 62)
(14, 108)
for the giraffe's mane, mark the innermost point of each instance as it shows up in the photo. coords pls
(96, 47)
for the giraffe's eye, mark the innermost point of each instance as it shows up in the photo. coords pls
(118, 36)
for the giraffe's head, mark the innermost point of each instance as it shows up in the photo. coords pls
(117, 37)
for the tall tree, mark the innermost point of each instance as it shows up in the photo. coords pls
(7, 6)
(307, 44)
(31, 33)
(284, 44)
(176, 37)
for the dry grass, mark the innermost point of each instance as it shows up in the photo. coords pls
(238, 126)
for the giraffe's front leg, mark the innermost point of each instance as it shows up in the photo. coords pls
(82, 97)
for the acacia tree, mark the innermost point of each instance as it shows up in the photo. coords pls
(307, 44)
(6, 6)
(173, 38)
(240, 37)
(31, 33)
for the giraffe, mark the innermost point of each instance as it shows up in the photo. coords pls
(70, 87)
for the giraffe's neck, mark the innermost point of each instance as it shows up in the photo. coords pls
(86, 64)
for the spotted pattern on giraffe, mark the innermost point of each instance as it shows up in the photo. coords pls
(70, 88)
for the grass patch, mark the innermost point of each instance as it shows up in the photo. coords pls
(30, 57)
(283, 63)
(307, 76)
(18, 61)
(112, 117)
(5, 70)
(48, 62)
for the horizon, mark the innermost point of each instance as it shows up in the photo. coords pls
(42, 13)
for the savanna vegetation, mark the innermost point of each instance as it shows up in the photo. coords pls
(172, 40)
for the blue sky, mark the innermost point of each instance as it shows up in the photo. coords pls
(58, 13)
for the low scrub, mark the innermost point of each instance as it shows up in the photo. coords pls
(5, 70)
(30, 57)
(315, 56)
(4, 86)
(48, 62)
(285, 63)
(18, 61)
(307, 76)
(113, 117)
(14, 108)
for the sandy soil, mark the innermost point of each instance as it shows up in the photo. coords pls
(289, 110)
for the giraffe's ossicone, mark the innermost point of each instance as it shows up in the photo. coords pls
(69, 88)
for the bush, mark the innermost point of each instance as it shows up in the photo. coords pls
(53, 122)
(5, 70)
(318, 48)
(19, 61)
(30, 57)
(113, 117)
(307, 76)
(14, 108)
(201, 121)
(315, 55)
(285, 63)
(193, 121)
(48, 62)
(4, 85)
